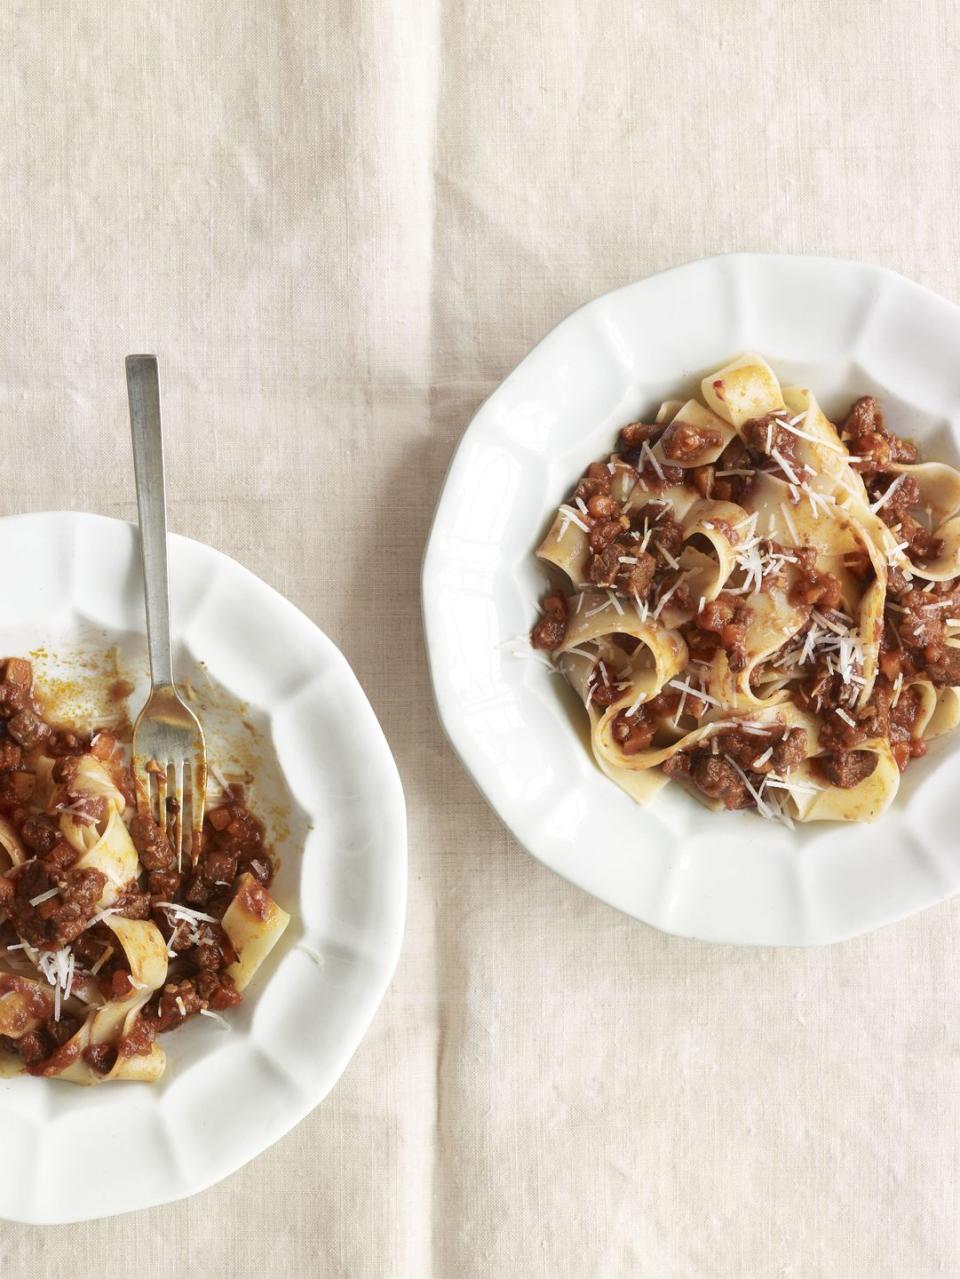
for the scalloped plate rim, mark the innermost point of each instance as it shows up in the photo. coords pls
(378, 967)
(433, 560)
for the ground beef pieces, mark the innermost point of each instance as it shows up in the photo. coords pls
(602, 506)
(866, 435)
(744, 749)
(727, 487)
(11, 754)
(197, 892)
(922, 545)
(65, 769)
(90, 945)
(551, 630)
(177, 1001)
(821, 590)
(686, 444)
(102, 1057)
(636, 579)
(80, 890)
(822, 690)
(624, 567)
(242, 834)
(902, 719)
(667, 532)
(765, 436)
(59, 857)
(62, 742)
(164, 884)
(216, 989)
(139, 1040)
(594, 484)
(846, 768)
(789, 751)
(17, 670)
(836, 734)
(133, 903)
(904, 493)
(604, 568)
(630, 445)
(715, 776)
(728, 618)
(16, 788)
(945, 669)
(60, 1031)
(921, 627)
(13, 699)
(33, 1047)
(633, 732)
(152, 844)
(634, 434)
(606, 531)
(27, 728)
(39, 834)
(60, 919)
(220, 868)
(783, 749)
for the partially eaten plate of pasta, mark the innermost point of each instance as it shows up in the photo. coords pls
(167, 1012)
(692, 599)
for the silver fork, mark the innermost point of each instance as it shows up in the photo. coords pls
(167, 737)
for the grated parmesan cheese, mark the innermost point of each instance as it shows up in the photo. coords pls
(185, 912)
(646, 451)
(695, 692)
(208, 1012)
(882, 501)
(570, 514)
(674, 563)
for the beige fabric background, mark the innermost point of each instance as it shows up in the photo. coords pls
(341, 224)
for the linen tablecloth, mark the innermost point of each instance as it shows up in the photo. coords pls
(340, 225)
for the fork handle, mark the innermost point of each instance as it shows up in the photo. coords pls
(143, 391)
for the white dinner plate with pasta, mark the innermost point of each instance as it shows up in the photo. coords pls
(692, 599)
(166, 1014)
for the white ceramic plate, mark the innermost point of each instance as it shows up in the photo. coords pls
(329, 787)
(842, 328)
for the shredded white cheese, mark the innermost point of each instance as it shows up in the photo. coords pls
(695, 692)
(44, 897)
(104, 956)
(570, 514)
(674, 563)
(185, 912)
(646, 451)
(882, 501)
(208, 1012)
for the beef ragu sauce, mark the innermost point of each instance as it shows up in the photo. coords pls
(634, 555)
(231, 844)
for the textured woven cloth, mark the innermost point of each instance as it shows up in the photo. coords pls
(340, 225)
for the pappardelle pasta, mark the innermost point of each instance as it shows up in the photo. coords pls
(105, 940)
(760, 604)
